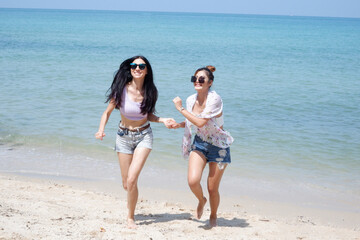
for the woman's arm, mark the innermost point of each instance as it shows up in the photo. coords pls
(199, 122)
(104, 119)
(168, 122)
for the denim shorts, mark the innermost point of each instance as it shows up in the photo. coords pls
(127, 141)
(212, 153)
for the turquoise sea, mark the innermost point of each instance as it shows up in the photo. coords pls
(290, 86)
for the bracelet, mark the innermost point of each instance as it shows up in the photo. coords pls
(181, 109)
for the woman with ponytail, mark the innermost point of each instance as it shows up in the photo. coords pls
(211, 144)
(133, 92)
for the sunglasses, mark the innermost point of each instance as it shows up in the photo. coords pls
(201, 79)
(133, 66)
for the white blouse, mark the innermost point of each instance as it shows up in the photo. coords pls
(211, 132)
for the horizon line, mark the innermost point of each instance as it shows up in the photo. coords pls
(189, 12)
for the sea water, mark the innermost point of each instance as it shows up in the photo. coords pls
(290, 87)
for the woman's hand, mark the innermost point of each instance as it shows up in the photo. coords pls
(178, 125)
(178, 103)
(100, 135)
(168, 122)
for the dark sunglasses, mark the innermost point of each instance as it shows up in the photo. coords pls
(201, 79)
(133, 66)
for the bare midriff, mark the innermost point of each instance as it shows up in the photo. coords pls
(131, 124)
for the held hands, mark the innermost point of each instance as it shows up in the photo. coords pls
(175, 125)
(100, 135)
(169, 122)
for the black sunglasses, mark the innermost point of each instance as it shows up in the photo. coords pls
(201, 79)
(133, 66)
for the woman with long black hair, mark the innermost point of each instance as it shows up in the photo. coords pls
(134, 93)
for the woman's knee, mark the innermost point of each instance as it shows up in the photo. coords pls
(131, 183)
(124, 183)
(213, 189)
(193, 181)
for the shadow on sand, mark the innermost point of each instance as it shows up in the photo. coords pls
(222, 222)
(148, 219)
(143, 219)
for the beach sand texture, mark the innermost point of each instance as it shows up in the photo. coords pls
(46, 209)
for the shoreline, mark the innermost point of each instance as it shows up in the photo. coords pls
(41, 207)
(163, 172)
(283, 199)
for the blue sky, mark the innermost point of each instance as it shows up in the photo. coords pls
(332, 8)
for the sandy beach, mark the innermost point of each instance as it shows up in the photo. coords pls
(289, 84)
(35, 208)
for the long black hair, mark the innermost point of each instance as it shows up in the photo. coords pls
(123, 77)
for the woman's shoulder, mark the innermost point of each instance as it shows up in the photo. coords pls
(213, 93)
(214, 97)
(191, 97)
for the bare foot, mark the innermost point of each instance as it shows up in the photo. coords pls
(212, 221)
(200, 208)
(131, 224)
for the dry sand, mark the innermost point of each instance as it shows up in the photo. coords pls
(32, 208)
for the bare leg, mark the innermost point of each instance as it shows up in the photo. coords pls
(214, 178)
(134, 168)
(138, 161)
(197, 163)
(124, 162)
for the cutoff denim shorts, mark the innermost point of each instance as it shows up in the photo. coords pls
(127, 141)
(212, 153)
